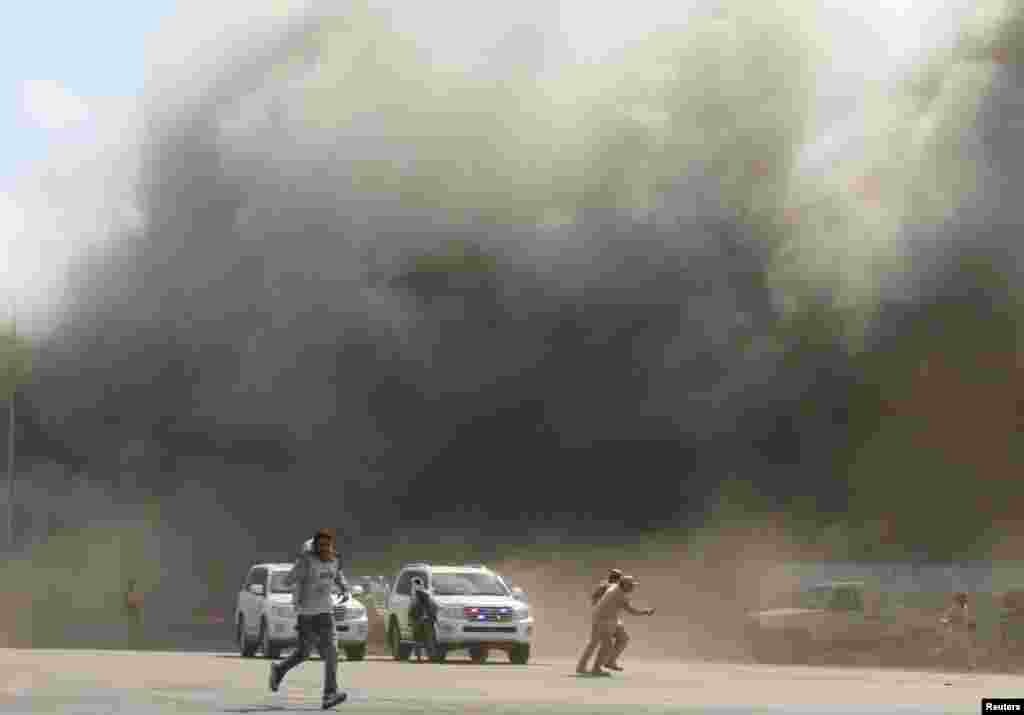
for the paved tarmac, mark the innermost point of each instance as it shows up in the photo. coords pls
(157, 683)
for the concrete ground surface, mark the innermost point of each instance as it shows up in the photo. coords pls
(81, 681)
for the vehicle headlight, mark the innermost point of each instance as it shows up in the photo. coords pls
(282, 611)
(454, 612)
(355, 613)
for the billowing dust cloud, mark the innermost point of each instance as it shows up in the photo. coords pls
(702, 590)
(359, 285)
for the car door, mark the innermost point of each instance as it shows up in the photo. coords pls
(244, 597)
(402, 599)
(398, 601)
(254, 603)
(260, 602)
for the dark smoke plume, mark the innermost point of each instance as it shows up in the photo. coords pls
(324, 324)
(271, 313)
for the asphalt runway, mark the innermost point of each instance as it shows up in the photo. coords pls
(150, 683)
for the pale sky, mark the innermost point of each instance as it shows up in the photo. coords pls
(59, 54)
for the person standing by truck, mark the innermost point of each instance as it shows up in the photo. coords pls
(314, 576)
(133, 601)
(422, 616)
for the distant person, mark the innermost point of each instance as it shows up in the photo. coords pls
(605, 619)
(133, 602)
(1010, 619)
(422, 616)
(959, 628)
(314, 576)
(621, 637)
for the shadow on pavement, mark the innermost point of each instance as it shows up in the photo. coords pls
(383, 658)
(269, 709)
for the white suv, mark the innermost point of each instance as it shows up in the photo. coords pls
(265, 618)
(476, 612)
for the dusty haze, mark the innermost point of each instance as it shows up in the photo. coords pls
(316, 278)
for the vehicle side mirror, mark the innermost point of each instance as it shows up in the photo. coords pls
(256, 589)
(518, 593)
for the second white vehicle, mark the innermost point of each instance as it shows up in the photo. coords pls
(265, 617)
(476, 612)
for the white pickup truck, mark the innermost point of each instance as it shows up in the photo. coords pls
(265, 617)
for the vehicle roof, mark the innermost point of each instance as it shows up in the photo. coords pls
(834, 584)
(448, 568)
(455, 569)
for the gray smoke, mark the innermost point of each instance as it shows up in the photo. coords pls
(279, 333)
(270, 312)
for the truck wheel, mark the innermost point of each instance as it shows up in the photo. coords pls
(765, 649)
(266, 645)
(798, 646)
(478, 655)
(355, 652)
(399, 651)
(519, 654)
(245, 648)
(792, 647)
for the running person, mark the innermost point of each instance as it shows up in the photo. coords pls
(313, 577)
(621, 638)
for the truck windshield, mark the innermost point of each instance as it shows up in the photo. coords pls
(833, 598)
(277, 583)
(470, 583)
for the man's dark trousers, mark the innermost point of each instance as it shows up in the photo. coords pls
(319, 629)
